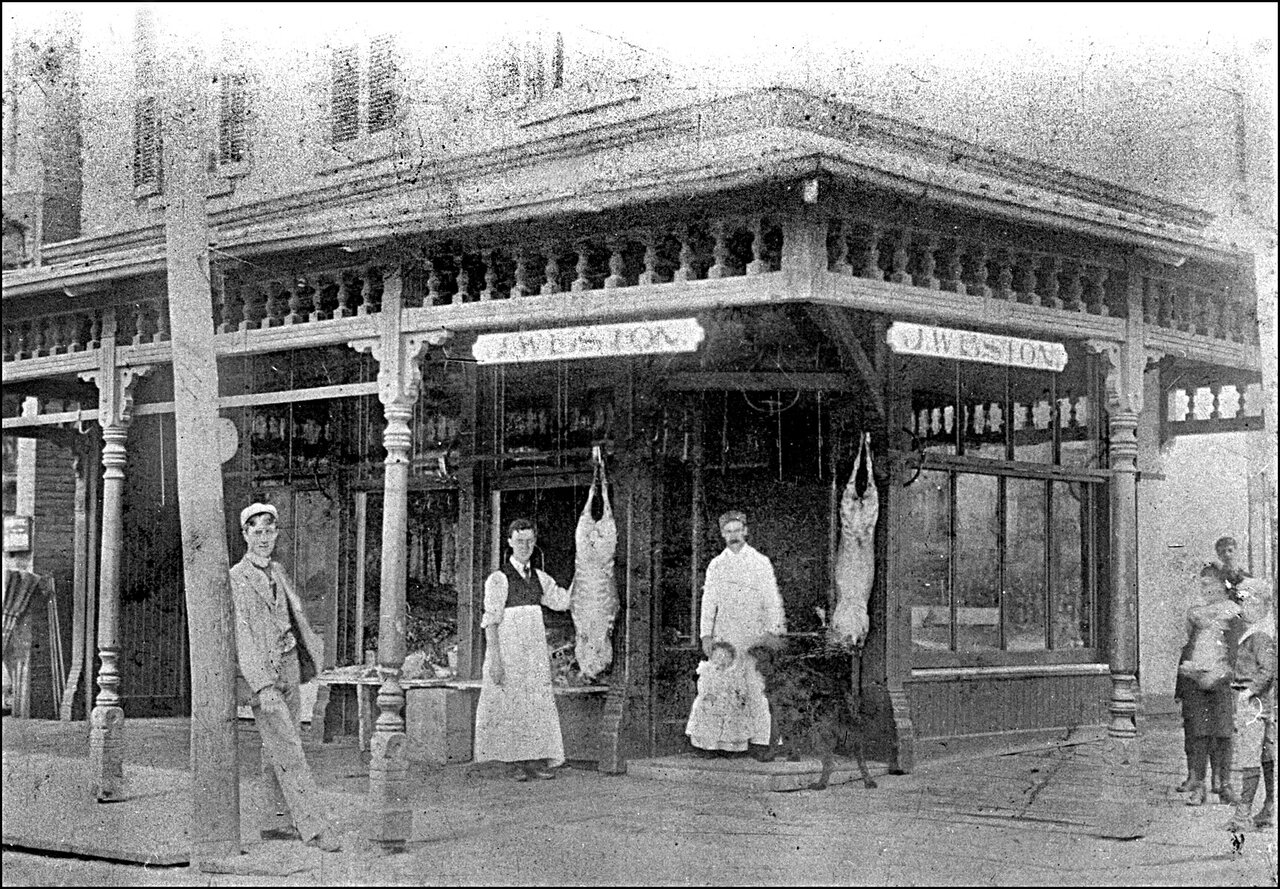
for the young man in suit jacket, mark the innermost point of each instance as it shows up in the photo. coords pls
(276, 651)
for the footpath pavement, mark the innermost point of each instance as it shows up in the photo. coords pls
(1057, 815)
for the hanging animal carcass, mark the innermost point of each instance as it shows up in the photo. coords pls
(855, 565)
(593, 595)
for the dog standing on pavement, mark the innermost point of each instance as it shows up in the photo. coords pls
(812, 715)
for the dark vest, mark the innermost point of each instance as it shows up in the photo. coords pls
(521, 591)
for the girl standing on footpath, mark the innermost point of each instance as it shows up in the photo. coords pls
(1204, 687)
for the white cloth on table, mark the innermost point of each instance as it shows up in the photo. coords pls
(740, 605)
(518, 720)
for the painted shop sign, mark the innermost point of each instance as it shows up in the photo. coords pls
(967, 345)
(596, 341)
(17, 533)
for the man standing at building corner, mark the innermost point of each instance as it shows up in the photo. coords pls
(741, 606)
(276, 652)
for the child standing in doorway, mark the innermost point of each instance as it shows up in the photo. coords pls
(720, 719)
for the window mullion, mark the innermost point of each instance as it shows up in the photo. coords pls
(1047, 565)
(1001, 543)
(952, 573)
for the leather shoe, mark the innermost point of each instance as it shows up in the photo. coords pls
(280, 833)
(1186, 785)
(325, 841)
(543, 774)
(1198, 795)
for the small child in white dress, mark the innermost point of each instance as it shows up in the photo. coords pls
(720, 719)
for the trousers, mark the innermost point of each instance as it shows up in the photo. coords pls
(290, 790)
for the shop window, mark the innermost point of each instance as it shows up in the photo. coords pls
(1000, 562)
(552, 415)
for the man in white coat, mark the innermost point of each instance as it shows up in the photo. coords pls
(741, 606)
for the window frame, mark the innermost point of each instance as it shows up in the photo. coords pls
(1096, 482)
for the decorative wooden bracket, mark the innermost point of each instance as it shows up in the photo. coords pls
(836, 324)
(1124, 365)
(399, 354)
(115, 392)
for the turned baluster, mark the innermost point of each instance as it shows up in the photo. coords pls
(462, 281)
(1004, 275)
(1218, 314)
(1191, 403)
(720, 252)
(583, 268)
(954, 269)
(95, 329)
(757, 265)
(295, 302)
(1098, 277)
(871, 255)
(1073, 297)
(10, 336)
(686, 271)
(979, 255)
(1052, 268)
(1215, 392)
(551, 272)
(1150, 301)
(901, 257)
(275, 305)
(140, 326)
(1026, 279)
(22, 340)
(650, 273)
(369, 290)
(616, 267)
(251, 317)
(39, 340)
(318, 289)
(924, 277)
(343, 296)
(840, 232)
(1204, 312)
(520, 275)
(56, 334)
(161, 307)
(490, 290)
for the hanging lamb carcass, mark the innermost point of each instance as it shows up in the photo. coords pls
(593, 595)
(855, 565)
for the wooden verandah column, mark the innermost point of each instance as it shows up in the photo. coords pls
(115, 411)
(1124, 365)
(399, 377)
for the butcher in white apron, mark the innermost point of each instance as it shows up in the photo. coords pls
(741, 605)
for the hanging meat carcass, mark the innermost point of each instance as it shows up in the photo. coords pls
(593, 595)
(855, 565)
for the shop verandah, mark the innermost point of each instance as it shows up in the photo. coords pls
(844, 259)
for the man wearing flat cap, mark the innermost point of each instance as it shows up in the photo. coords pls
(276, 651)
(741, 606)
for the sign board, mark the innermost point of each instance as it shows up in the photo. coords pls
(595, 341)
(17, 533)
(967, 345)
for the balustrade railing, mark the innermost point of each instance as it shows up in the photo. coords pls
(939, 260)
(671, 252)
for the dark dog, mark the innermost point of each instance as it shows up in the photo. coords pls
(812, 714)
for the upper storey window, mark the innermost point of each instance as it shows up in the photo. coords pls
(147, 144)
(529, 69)
(364, 89)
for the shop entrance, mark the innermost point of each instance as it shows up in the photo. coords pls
(553, 504)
